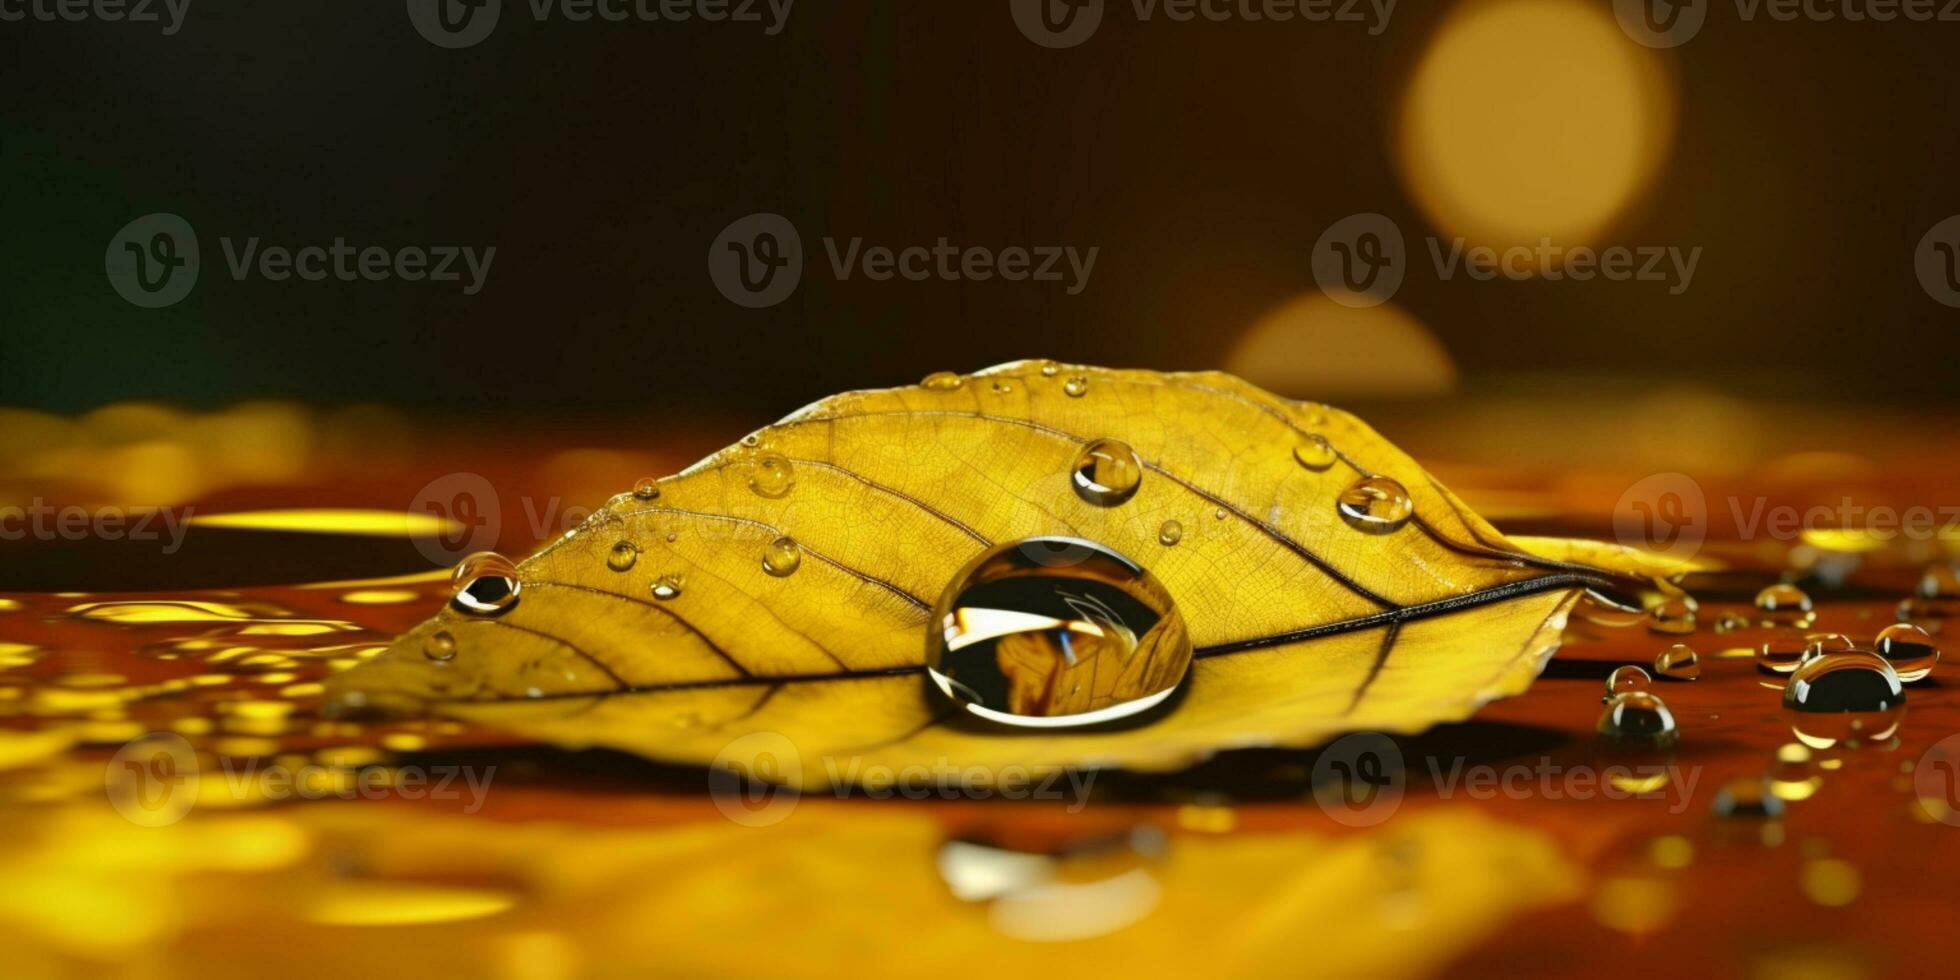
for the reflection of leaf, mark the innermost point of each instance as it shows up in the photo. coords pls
(1305, 626)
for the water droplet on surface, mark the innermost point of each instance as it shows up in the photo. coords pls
(783, 557)
(1049, 369)
(1747, 798)
(1676, 616)
(1170, 533)
(647, 488)
(1637, 716)
(1376, 503)
(1791, 776)
(1784, 605)
(1218, 513)
(440, 645)
(622, 556)
(1730, 622)
(1107, 472)
(667, 587)
(1003, 387)
(771, 475)
(942, 381)
(484, 584)
(1855, 681)
(1055, 632)
(1678, 662)
(1908, 649)
(1314, 452)
(1819, 644)
(1782, 651)
(1625, 680)
(1076, 386)
(752, 440)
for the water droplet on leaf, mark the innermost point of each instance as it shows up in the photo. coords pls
(1376, 503)
(1107, 472)
(1170, 533)
(1052, 632)
(782, 557)
(622, 556)
(647, 488)
(484, 584)
(440, 645)
(1076, 386)
(942, 381)
(667, 587)
(771, 475)
(1314, 452)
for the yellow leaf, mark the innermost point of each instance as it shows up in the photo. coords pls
(1304, 624)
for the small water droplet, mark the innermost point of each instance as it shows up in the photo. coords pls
(752, 440)
(1819, 644)
(1314, 452)
(1376, 503)
(1908, 649)
(484, 584)
(1218, 513)
(1784, 605)
(667, 587)
(782, 557)
(1676, 616)
(1782, 651)
(771, 475)
(1678, 662)
(1049, 369)
(1076, 386)
(1002, 386)
(673, 536)
(1052, 632)
(1625, 680)
(622, 556)
(1170, 533)
(1747, 798)
(1638, 717)
(647, 488)
(1107, 472)
(1839, 682)
(942, 381)
(440, 646)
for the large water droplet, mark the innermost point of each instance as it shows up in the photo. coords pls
(623, 556)
(1107, 472)
(1837, 682)
(1637, 717)
(771, 475)
(1376, 503)
(783, 557)
(439, 646)
(1908, 649)
(1678, 662)
(666, 587)
(1784, 605)
(1314, 452)
(484, 584)
(1625, 680)
(1051, 632)
(942, 381)
(1170, 533)
(1782, 651)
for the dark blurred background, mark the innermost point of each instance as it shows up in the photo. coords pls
(1204, 159)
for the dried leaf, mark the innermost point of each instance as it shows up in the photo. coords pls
(1304, 626)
